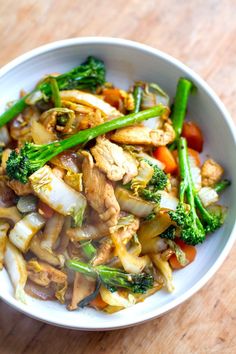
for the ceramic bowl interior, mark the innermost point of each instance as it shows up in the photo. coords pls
(126, 62)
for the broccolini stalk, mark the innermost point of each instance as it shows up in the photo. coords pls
(88, 249)
(137, 98)
(31, 157)
(113, 278)
(88, 76)
(220, 186)
(55, 92)
(183, 90)
(193, 226)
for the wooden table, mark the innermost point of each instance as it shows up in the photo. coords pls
(202, 34)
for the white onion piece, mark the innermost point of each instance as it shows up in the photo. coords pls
(130, 262)
(133, 204)
(53, 191)
(25, 229)
(154, 245)
(168, 201)
(195, 172)
(4, 135)
(90, 100)
(165, 269)
(52, 231)
(208, 196)
(3, 241)
(43, 254)
(115, 299)
(16, 268)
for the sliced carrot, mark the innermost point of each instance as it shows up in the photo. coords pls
(194, 136)
(45, 210)
(190, 252)
(163, 154)
(98, 302)
(112, 96)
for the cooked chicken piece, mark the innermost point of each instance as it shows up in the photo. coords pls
(211, 173)
(104, 252)
(114, 161)
(19, 188)
(43, 274)
(82, 288)
(99, 191)
(164, 136)
(142, 135)
(91, 120)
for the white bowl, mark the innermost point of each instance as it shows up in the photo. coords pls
(127, 61)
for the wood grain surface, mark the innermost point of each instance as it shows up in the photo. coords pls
(201, 33)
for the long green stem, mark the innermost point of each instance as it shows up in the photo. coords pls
(88, 75)
(185, 172)
(180, 107)
(88, 249)
(55, 92)
(220, 186)
(88, 134)
(137, 98)
(13, 111)
(81, 267)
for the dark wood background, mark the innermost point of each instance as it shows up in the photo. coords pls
(202, 34)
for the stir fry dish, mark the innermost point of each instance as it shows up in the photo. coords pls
(96, 207)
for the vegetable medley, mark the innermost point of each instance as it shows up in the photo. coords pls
(97, 209)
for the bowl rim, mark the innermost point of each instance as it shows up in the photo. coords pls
(127, 322)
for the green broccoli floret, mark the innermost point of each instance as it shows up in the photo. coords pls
(148, 194)
(150, 216)
(191, 230)
(113, 278)
(193, 220)
(169, 233)
(159, 179)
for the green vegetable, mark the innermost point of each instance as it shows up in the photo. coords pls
(148, 182)
(1, 151)
(184, 87)
(137, 98)
(220, 186)
(55, 92)
(153, 196)
(31, 157)
(193, 228)
(180, 255)
(159, 179)
(169, 233)
(88, 249)
(152, 95)
(113, 278)
(88, 75)
(150, 217)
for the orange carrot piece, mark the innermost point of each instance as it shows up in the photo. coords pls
(163, 154)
